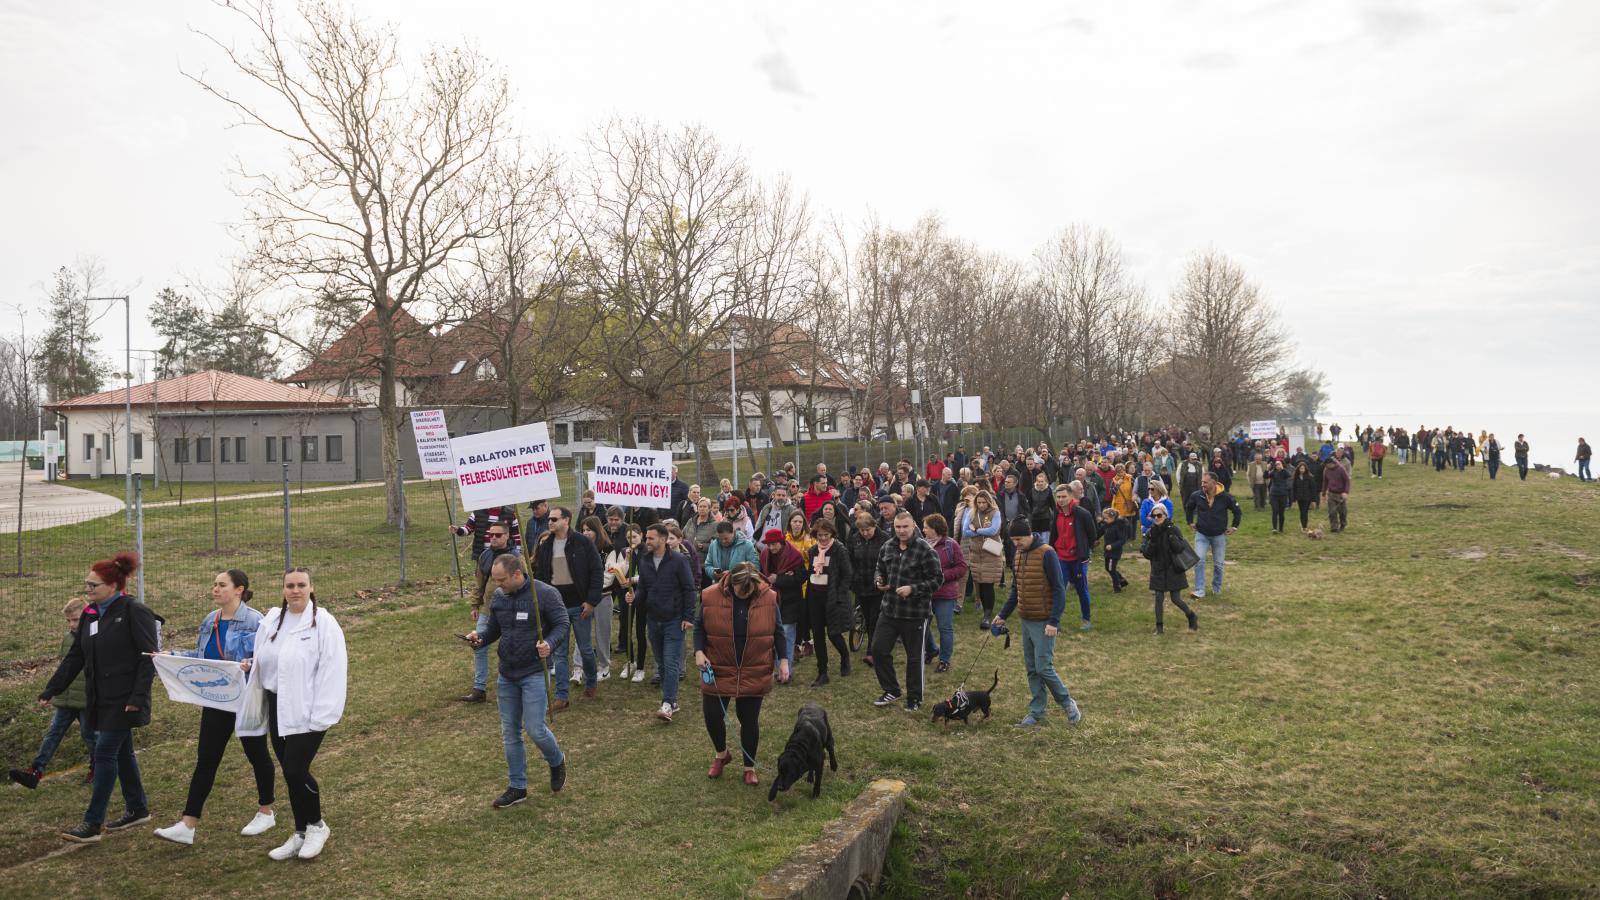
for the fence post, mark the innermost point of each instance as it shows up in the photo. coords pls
(400, 476)
(138, 531)
(288, 551)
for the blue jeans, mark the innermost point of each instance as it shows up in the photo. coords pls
(59, 723)
(1076, 574)
(522, 706)
(113, 762)
(1038, 660)
(583, 629)
(1583, 471)
(944, 612)
(480, 658)
(666, 642)
(1216, 548)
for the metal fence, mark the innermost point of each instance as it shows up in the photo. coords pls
(340, 535)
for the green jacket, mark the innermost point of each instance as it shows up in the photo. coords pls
(74, 696)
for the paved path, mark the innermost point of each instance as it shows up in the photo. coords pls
(201, 497)
(46, 504)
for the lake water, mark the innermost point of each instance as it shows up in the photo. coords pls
(1552, 437)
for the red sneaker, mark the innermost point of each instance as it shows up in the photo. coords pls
(750, 777)
(718, 763)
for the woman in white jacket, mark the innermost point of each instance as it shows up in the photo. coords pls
(300, 666)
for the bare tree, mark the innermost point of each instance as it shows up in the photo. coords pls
(1225, 346)
(387, 181)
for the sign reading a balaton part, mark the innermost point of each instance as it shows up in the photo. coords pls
(510, 465)
(631, 477)
(217, 683)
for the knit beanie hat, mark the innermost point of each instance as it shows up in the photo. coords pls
(1020, 527)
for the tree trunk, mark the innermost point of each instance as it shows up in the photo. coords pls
(389, 416)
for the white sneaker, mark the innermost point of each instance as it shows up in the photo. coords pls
(289, 849)
(177, 832)
(577, 676)
(316, 836)
(638, 676)
(665, 712)
(262, 822)
(627, 670)
(603, 674)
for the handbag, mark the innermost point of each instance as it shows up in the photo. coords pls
(252, 715)
(993, 546)
(1183, 556)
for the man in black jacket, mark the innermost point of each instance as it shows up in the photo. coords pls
(920, 504)
(1208, 512)
(907, 573)
(568, 561)
(667, 596)
(528, 619)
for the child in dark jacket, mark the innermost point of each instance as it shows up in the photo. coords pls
(1116, 532)
(69, 707)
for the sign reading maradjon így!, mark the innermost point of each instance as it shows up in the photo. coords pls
(629, 476)
(217, 683)
(510, 465)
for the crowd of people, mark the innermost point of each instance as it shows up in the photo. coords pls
(751, 581)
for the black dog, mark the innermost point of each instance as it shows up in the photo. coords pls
(803, 754)
(964, 704)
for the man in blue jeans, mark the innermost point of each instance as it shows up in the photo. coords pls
(1208, 512)
(527, 618)
(1072, 537)
(569, 562)
(499, 535)
(667, 594)
(1039, 594)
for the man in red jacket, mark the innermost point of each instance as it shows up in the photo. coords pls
(1375, 454)
(815, 496)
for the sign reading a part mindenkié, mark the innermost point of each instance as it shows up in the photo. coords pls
(628, 476)
(510, 465)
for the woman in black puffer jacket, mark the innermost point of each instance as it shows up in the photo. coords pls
(865, 543)
(1161, 546)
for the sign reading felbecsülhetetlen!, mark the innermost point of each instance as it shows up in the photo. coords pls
(433, 443)
(509, 465)
(632, 477)
(217, 683)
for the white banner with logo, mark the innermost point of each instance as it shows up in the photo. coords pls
(510, 465)
(433, 444)
(217, 683)
(625, 476)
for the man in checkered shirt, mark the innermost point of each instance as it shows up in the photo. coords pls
(908, 573)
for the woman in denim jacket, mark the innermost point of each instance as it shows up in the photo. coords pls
(227, 633)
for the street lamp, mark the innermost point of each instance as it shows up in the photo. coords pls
(127, 373)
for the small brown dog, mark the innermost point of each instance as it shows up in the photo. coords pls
(1315, 534)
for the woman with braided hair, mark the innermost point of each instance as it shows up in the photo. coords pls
(300, 666)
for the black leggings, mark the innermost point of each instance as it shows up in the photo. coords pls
(1304, 505)
(1177, 600)
(1280, 503)
(986, 597)
(748, 709)
(816, 629)
(641, 642)
(295, 754)
(216, 726)
(1112, 558)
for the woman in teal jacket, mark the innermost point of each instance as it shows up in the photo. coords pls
(227, 633)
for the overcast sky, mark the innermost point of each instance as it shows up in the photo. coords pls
(1414, 185)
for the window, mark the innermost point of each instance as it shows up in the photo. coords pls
(272, 449)
(562, 431)
(456, 369)
(285, 445)
(485, 371)
(138, 446)
(335, 448)
(88, 447)
(828, 421)
(226, 448)
(180, 450)
(238, 450)
(584, 432)
(308, 449)
(202, 450)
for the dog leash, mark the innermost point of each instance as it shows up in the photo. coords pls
(984, 645)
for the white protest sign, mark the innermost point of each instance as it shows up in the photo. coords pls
(52, 445)
(510, 465)
(963, 410)
(217, 683)
(1265, 429)
(629, 477)
(433, 443)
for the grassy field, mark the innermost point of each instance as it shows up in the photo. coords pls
(1406, 709)
(195, 490)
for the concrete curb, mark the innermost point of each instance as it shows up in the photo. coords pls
(846, 860)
